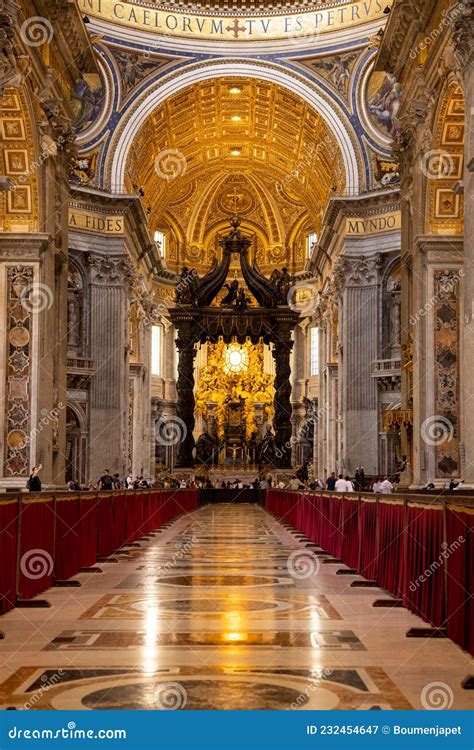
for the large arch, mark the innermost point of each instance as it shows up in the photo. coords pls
(336, 120)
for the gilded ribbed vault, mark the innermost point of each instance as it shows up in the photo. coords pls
(235, 145)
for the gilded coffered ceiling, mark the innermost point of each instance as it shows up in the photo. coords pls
(226, 145)
(239, 6)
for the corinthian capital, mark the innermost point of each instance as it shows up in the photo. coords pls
(360, 271)
(106, 271)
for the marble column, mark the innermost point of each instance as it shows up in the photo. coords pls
(359, 351)
(463, 33)
(185, 419)
(109, 349)
(282, 422)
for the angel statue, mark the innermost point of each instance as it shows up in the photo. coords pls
(231, 296)
(242, 301)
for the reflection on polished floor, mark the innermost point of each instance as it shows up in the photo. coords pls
(224, 609)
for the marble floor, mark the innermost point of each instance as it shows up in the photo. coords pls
(224, 609)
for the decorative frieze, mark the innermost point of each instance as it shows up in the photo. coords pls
(446, 425)
(19, 331)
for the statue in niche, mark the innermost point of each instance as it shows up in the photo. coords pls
(232, 293)
(394, 290)
(72, 337)
(74, 310)
(395, 312)
(267, 448)
(252, 448)
(205, 448)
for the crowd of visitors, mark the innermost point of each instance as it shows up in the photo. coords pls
(301, 480)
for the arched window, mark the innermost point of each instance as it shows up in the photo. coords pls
(160, 239)
(311, 240)
(156, 349)
(314, 360)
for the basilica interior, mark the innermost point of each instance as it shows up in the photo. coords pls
(232, 251)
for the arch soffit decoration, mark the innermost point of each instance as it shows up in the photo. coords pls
(19, 150)
(274, 225)
(445, 165)
(117, 151)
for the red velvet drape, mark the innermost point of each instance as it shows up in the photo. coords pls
(67, 542)
(88, 530)
(36, 555)
(44, 536)
(119, 520)
(106, 535)
(8, 553)
(390, 566)
(424, 573)
(460, 576)
(368, 547)
(401, 545)
(350, 533)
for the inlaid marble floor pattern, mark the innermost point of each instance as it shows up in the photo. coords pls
(224, 609)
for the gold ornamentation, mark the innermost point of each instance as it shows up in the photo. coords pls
(250, 383)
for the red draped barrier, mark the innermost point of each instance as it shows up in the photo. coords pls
(45, 537)
(421, 553)
(424, 572)
(284, 505)
(106, 534)
(133, 517)
(67, 539)
(187, 501)
(460, 576)
(391, 562)
(88, 530)
(8, 553)
(119, 522)
(36, 548)
(368, 553)
(350, 533)
(146, 512)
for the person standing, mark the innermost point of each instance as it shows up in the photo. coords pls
(34, 482)
(377, 486)
(106, 482)
(349, 485)
(386, 487)
(331, 482)
(357, 482)
(341, 484)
